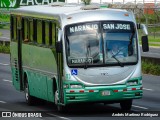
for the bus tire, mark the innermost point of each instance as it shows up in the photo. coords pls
(29, 99)
(60, 108)
(126, 105)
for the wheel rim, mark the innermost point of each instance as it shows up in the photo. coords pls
(56, 97)
(26, 92)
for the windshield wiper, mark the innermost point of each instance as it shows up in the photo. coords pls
(119, 62)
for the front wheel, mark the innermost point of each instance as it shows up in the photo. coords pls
(29, 99)
(126, 105)
(60, 108)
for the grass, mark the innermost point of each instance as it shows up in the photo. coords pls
(4, 18)
(4, 49)
(149, 67)
(153, 41)
(0, 34)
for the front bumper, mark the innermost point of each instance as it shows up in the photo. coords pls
(94, 94)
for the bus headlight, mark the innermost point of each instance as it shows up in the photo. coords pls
(75, 86)
(66, 86)
(129, 83)
(140, 82)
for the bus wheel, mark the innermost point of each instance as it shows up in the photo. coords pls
(60, 108)
(28, 97)
(126, 105)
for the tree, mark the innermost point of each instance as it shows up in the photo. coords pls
(8, 3)
(86, 2)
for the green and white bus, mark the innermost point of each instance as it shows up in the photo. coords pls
(60, 54)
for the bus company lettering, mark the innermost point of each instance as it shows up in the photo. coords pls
(35, 2)
(80, 28)
(81, 60)
(117, 26)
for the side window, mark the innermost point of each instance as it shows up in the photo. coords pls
(47, 32)
(23, 28)
(30, 29)
(26, 30)
(43, 32)
(35, 30)
(54, 33)
(14, 28)
(39, 31)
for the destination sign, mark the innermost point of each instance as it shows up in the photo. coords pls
(116, 26)
(85, 27)
(82, 60)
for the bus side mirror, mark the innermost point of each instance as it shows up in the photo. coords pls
(59, 42)
(145, 46)
(143, 27)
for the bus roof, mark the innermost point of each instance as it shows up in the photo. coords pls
(73, 11)
(47, 9)
(56, 10)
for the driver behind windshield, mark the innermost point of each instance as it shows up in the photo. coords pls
(116, 51)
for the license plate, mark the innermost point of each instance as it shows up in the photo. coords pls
(105, 93)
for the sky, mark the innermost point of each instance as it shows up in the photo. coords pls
(110, 1)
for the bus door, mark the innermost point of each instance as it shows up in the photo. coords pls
(18, 57)
(60, 74)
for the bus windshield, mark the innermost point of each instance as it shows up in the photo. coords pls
(101, 44)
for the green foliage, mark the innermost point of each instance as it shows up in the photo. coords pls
(149, 67)
(4, 49)
(3, 19)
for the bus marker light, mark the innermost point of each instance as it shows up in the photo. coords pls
(81, 91)
(133, 88)
(126, 14)
(71, 91)
(115, 90)
(91, 90)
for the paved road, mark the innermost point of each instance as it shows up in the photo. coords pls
(154, 52)
(12, 100)
(5, 35)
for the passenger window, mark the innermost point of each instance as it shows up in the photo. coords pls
(26, 30)
(23, 29)
(39, 31)
(14, 28)
(31, 29)
(50, 33)
(35, 30)
(47, 33)
(54, 32)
